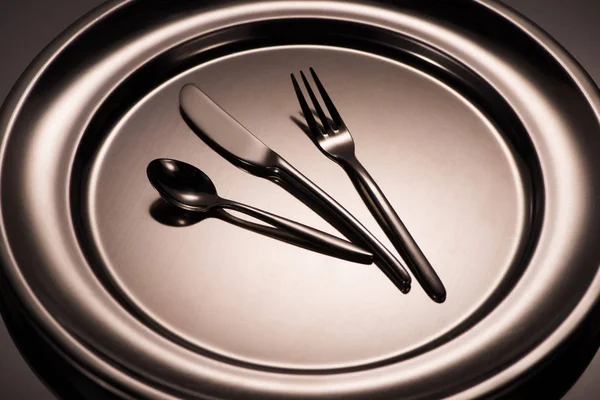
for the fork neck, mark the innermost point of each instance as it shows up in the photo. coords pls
(350, 163)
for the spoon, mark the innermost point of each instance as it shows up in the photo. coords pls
(171, 215)
(188, 188)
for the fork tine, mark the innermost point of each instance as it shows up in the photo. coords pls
(335, 115)
(316, 104)
(310, 119)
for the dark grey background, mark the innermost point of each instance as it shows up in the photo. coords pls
(26, 26)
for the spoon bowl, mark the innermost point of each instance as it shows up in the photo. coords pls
(182, 184)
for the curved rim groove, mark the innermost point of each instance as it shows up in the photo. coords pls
(189, 374)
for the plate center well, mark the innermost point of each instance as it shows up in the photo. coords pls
(441, 163)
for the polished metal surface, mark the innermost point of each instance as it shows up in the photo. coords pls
(190, 189)
(238, 145)
(500, 159)
(334, 140)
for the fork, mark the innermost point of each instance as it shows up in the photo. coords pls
(335, 141)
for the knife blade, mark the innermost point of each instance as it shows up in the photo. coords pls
(223, 132)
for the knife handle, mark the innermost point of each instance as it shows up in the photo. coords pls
(396, 231)
(314, 197)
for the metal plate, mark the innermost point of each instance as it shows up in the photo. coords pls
(485, 144)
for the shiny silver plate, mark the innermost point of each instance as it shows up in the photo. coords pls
(481, 130)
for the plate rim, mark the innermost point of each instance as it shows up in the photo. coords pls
(47, 323)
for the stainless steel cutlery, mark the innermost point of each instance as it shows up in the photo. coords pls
(190, 189)
(334, 140)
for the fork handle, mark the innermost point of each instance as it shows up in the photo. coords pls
(396, 231)
(310, 194)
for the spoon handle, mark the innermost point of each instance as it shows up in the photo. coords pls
(303, 235)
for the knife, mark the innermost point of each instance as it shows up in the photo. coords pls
(230, 139)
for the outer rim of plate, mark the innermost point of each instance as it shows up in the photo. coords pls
(90, 363)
